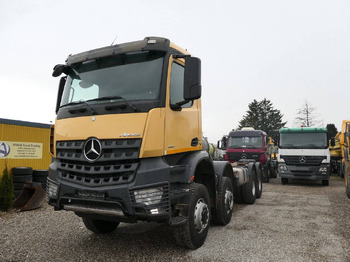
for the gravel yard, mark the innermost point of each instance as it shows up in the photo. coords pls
(301, 221)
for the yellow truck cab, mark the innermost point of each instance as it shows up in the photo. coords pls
(127, 142)
(344, 144)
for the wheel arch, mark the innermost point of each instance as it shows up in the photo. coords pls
(200, 169)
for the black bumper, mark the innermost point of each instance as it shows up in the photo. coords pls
(149, 196)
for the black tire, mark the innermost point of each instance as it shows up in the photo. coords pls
(223, 213)
(100, 226)
(18, 186)
(21, 171)
(347, 191)
(40, 173)
(249, 190)
(193, 232)
(22, 178)
(40, 176)
(266, 176)
(284, 181)
(17, 192)
(325, 182)
(258, 183)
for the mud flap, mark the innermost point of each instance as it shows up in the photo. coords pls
(31, 197)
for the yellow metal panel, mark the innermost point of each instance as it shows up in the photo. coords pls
(26, 134)
(153, 140)
(101, 127)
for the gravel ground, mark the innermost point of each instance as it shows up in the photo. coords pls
(301, 221)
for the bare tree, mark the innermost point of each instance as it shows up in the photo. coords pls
(307, 115)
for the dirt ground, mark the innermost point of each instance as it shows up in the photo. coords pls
(300, 221)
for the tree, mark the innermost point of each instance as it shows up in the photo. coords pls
(307, 116)
(6, 191)
(331, 130)
(262, 116)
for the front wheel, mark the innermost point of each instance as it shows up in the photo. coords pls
(325, 182)
(284, 181)
(193, 232)
(223, 213)
(100, 226)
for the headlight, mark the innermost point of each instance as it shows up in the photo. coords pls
(150, 196)
(322, 169)
(51, 189)
(283, 168)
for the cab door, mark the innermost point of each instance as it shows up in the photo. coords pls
(183, 127)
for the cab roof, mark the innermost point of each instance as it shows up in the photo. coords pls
(147, 44)
(243, 133)
(303, 130)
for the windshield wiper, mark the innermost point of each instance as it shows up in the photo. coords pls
(250, 146)
(114, 97)
(92, 111)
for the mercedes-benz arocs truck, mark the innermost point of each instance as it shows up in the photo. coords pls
(127, 142)
(304, 154)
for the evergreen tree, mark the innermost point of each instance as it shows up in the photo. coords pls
(262, 116)
(6, 191)
(331, 130)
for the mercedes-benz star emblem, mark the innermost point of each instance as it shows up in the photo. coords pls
(92, 149)
(243, 156)
(302, 159)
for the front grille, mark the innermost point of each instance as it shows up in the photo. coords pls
(117, 163)
(236, 156)
(309, 160)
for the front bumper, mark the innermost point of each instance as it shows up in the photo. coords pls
(148, 197)
(321, 172)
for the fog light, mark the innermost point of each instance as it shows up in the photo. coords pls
(323, 169)
(51, 189)
(283, 168)
(149, 196)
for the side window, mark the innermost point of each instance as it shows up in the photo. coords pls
(177, 85)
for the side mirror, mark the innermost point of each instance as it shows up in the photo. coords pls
(59, 69)
(222, 143)
(192, 81)
(60, 92)
(332, 141)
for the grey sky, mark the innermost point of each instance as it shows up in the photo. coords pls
(286, 51)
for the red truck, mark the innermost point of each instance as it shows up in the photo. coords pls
(251, 144)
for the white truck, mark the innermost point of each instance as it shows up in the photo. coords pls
(304, 154)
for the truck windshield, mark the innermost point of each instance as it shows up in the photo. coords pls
(303, 140)
(245, 142)
(131, 76)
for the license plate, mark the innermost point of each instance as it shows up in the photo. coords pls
(301, 168)
(91, 194)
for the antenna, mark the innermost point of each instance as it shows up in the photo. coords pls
(114, 40)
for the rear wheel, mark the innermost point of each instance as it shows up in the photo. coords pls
(266, 175)
(100, 226)
(223, 213)
(348, 185)
(193, 232)
(249, 190)
(258, 183)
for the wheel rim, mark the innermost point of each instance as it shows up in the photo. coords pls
(201, 215)
(228, 201)
(253, 187)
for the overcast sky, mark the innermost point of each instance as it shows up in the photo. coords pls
(285, 51)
